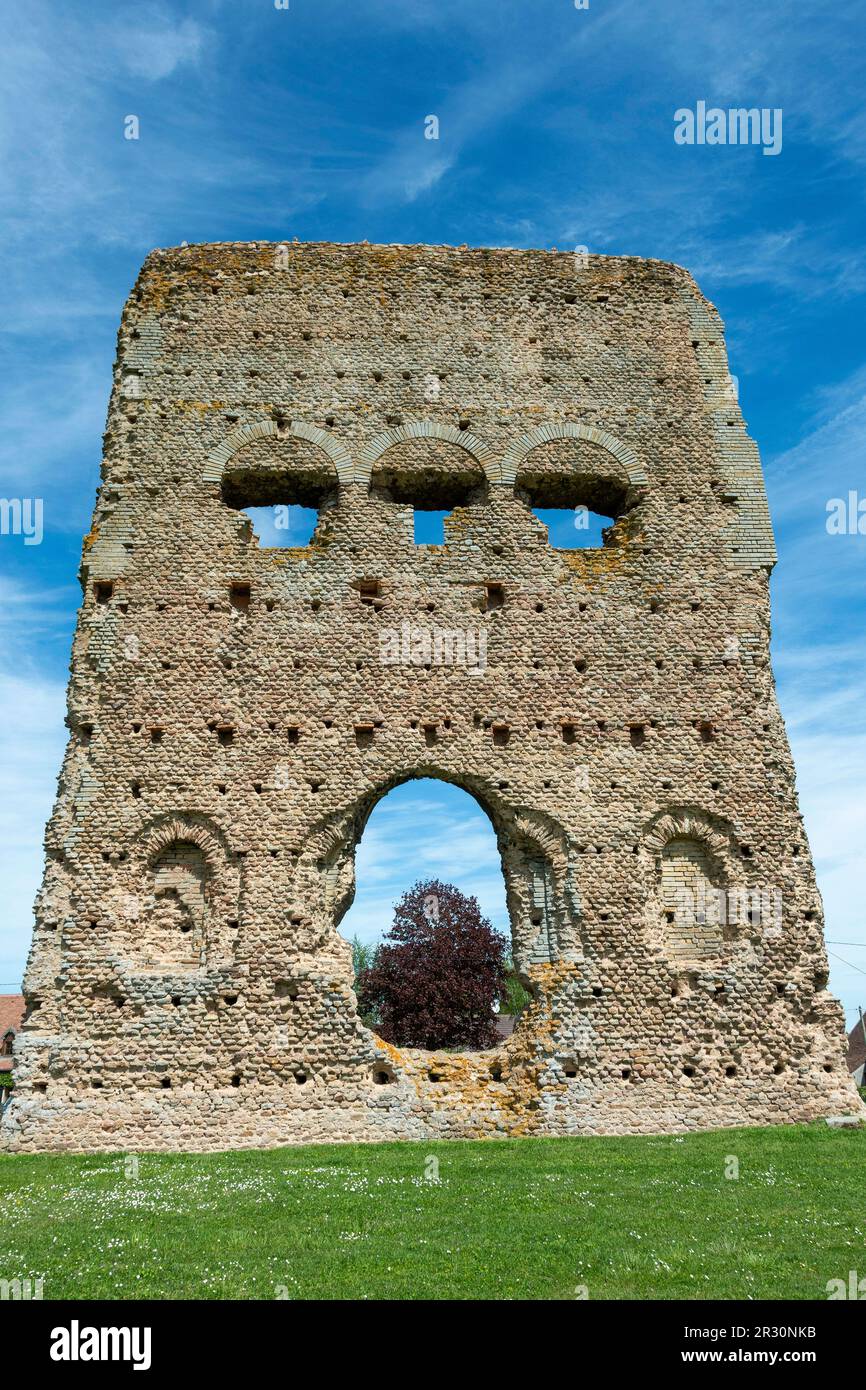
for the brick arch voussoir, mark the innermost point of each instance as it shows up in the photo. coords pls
(425, 429)
(690, 825)
(625, 456)
(219, 457)
(161, 835)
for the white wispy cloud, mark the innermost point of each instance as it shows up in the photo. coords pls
(819, 607)
(423, 831)
(34, 620)
(798, 259)
(518, 67)
(40, 434)
(32, 741)
(150, 43)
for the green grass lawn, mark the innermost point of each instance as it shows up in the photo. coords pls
(525, 1219)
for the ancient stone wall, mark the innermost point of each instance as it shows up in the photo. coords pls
(235, 712)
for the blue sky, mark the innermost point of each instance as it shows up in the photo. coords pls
(556, 129)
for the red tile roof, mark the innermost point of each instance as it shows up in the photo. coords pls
(856, 1047)
(11, 1013)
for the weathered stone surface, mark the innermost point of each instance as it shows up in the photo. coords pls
(236, 712)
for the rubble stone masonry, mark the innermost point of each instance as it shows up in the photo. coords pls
(235, 712)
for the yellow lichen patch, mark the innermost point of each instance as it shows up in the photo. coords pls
(387, 258)
(393, 1052)
(200, 407)
(599, 563)
(496, 1091)
(157, 286)
(457, 525)
(282, 554)
(155, 291)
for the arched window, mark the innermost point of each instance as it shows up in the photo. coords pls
(578, 490)
(431, 475)
(281, 483)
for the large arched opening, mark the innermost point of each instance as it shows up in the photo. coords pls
(418, 840)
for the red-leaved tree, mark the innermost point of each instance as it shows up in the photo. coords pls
(438, 972)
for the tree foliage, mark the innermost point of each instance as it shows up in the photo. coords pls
(438, 972)
(514, 997)
(363, 955)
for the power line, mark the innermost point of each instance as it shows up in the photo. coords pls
(850, 964)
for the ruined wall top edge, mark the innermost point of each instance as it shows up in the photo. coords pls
(350, 341)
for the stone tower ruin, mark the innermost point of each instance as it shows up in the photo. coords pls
(235, 712)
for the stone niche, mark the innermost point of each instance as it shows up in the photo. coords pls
(174, 928)
(178, 919)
